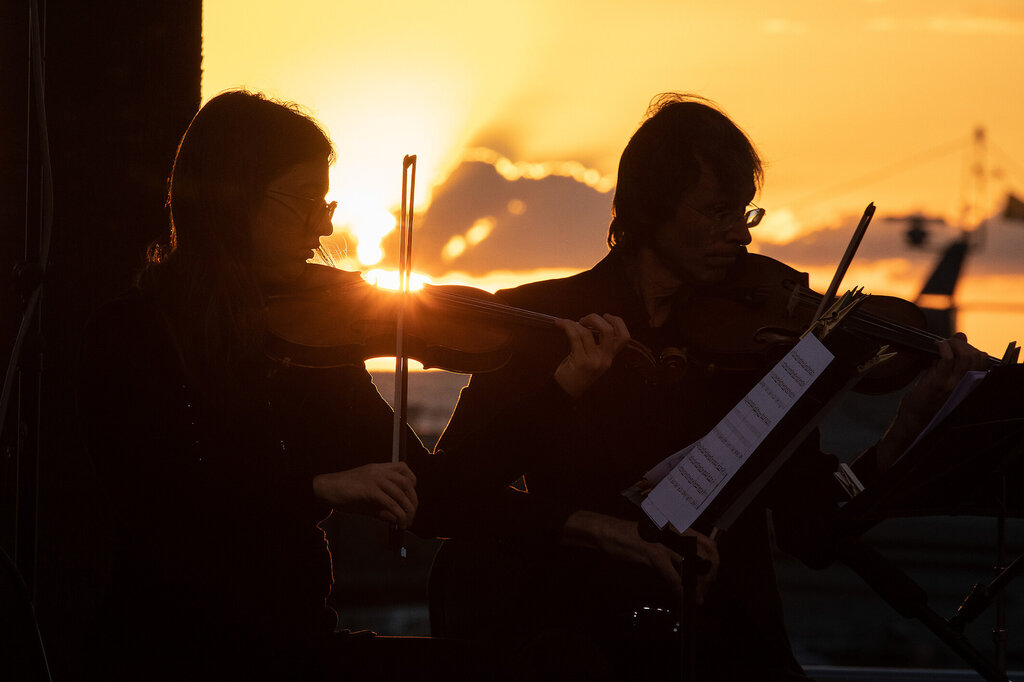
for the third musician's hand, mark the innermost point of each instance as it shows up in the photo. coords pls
(384, 490)
(621, 539)
(928, 393)
(593, 344)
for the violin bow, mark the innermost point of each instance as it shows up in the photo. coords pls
(844, 264)
(396, 540)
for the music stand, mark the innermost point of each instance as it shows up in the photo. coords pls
(959, 468)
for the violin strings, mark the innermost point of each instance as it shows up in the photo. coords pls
(496, 310)
(881, 327)
(503, 311)
(862, 321)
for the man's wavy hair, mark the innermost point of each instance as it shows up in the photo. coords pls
(663, 160)
(202, 276)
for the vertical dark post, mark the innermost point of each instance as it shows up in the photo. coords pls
(688, 609)
(122, 81)
(15, 172)
(999, 634)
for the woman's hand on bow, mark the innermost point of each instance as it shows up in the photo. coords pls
(384, 490)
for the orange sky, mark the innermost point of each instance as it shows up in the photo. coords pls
(849, 102)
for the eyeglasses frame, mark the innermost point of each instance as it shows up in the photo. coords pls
(329, 208)
(751, 218)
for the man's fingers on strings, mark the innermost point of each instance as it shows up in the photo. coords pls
(573, 333)
(619, 327)
(956, 357)
(966, 356)
(590, 336)
(597, 325)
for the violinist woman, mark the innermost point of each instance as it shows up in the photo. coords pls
(220, 463)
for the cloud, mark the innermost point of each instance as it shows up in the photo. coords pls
(996, 250)
(479, 222)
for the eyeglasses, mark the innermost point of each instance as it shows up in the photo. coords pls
(726, 220)
(317, 212)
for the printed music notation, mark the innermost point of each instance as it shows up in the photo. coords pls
(688, 480)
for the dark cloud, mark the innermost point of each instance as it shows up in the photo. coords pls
(563, 223)
(998, 249)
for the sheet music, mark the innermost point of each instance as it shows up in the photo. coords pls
(689, 480)
(967, 384)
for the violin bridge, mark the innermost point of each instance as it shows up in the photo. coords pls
(837, 312)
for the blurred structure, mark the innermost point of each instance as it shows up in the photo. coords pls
(119, 82)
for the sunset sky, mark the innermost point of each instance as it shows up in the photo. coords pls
(518, 112)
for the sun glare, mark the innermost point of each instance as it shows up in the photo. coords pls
(388, 279)
(489, 83)
(779, 227)
(368, 222)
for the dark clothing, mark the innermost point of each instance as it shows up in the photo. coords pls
(220, 565)
(521, 587)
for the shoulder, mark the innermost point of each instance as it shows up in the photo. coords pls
(127, 315)
(129, 307)
(126, 331)
(571, 296)
(554, 296)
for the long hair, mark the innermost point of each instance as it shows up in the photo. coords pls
(202, 276)
(663, 158)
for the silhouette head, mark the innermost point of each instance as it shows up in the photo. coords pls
(236, 145)
(680, 135)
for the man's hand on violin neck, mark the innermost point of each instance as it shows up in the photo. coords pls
(594, 342)
(928, 393)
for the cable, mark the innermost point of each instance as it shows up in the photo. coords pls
(1007, 160)
(46, 209)
(881, 174)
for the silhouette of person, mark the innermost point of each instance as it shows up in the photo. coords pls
(582, 596)
(220, 462)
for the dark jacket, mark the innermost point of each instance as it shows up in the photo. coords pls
(519, 585)
(219, 560)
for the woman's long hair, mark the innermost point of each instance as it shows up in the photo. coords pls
(202, 277)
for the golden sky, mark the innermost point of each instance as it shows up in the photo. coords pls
(849, 101)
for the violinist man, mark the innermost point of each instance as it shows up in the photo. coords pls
(573, 590)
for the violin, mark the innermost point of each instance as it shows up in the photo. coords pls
(334, 317)
(760, 312)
